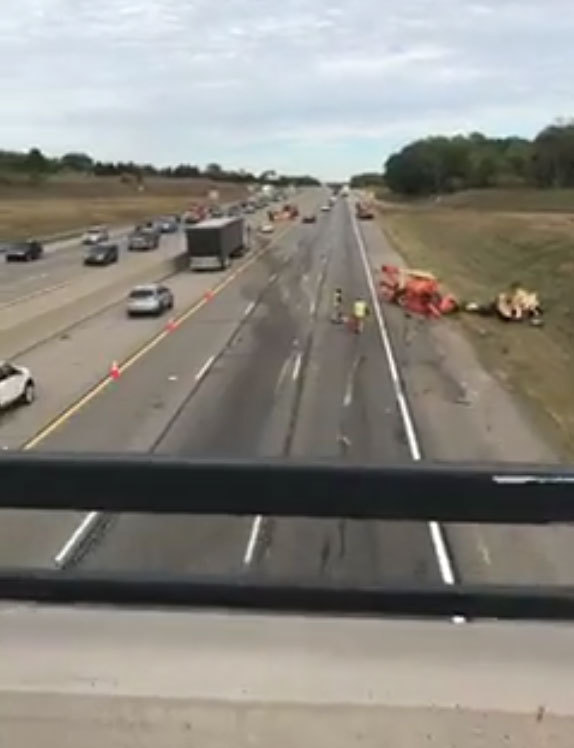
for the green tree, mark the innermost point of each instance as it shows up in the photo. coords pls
(77, 162)
(35, 162)
(553, 157)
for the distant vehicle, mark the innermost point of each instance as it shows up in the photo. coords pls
(168, 224)
(217, 212)
(250, 208)
(195, 214)
(143, 239)
(364, 212)
(16, 385)
(149, 299)
(96, 235)
(266, 228)
(24, 251)
(311, 218)
(212, 243)
(102, 254)
(325, 208)
(332, 200)
(233, 210)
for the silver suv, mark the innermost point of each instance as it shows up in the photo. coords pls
(150, 299)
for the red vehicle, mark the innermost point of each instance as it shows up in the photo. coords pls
(196, 213)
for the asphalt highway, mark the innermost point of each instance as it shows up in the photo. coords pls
(254, 367)
(258, 371)
(61, 265)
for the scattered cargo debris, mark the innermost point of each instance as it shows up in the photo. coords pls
(516, 304)
(419, 292)
(416, 291)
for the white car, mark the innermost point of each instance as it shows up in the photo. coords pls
(267, 228)
(325, 208)
(16, 385)
(150, 299)
(96, 235)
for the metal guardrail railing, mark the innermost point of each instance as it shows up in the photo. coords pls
(163, 485)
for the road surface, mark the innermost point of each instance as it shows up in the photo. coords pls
(261, 371)
(256, 369)
(61, 265)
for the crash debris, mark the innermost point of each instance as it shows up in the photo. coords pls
(419, 292)
(515, 304)
(416, 291)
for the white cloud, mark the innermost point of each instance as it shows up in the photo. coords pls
(330, 85)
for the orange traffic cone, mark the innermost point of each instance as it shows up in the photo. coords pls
(115, 370)
(171, 325)
(209, 295)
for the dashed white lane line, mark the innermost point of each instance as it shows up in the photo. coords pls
(445, 565)
(312, 307)
(73, 543)
(483, 550)
(248, 309)
(205, 368)
(297, 366)
(348, 399)
(282, 374)
(350, 388)
(252, 542)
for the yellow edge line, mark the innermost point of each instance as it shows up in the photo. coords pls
(146, 348)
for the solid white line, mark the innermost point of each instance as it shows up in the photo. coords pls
(79, 535)
(250, 307)
(312, 307)
(436, 532)
(297, 366)
(205, 368)
(252, 542)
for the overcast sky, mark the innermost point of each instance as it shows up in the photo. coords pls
(329, 87)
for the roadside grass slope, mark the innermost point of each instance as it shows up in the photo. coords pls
(476, 253)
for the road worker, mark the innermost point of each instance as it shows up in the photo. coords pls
(337, 315)
(360, 311)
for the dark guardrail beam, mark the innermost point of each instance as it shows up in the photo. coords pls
(164, 485)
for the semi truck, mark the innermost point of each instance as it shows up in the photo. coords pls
(212, 243)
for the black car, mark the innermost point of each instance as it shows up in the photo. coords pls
(24, 251)
(311, 218)
(102, 254)
(168, 224)
(144, 239)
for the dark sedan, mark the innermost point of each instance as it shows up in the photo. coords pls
(168, 224)
(311, 218)
(144, 239)
(102, 254)
(24, 251)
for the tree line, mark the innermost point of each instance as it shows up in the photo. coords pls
(441, 164)
(37, 165)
